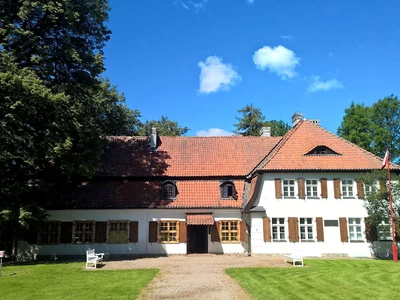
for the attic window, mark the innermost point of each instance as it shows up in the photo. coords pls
(227, 189)
(169, 190)
(322, 150)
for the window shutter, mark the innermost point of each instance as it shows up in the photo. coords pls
(182, 232)
(66, 233)
(293, 230)
(360, 189)
(133, 231)
(343, 230)
(382, 185)
(336, 188)
(267, 229)
(215, 232)
(397, 228)
(324, 188)
(300, 184)
(153, 227)
(243, 234)
(33, 235)
(278, 189)
(320, 229)
(371, 232)
(100, 232)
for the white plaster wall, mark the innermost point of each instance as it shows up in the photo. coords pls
(143, 216)
(328, 209)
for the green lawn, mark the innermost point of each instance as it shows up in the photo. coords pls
(71, 281)
(323, 279)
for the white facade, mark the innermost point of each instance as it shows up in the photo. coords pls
(312, 207)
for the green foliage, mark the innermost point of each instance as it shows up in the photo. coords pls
(374, 128)
(322, 279)
(165, 127)
(69, 281)
(377, 199)
(252, 120)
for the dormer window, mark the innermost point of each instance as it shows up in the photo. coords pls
(228, 190)
(322, 150)
(169, 190)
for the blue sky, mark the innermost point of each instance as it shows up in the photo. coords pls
(198, 62)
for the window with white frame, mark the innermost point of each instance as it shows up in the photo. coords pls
(355, 229)
(288, 188)
(347, 188)
(312, 188)
(369, 189)
(385, 230)
(117, 232)
(278, 229)
(306, 229)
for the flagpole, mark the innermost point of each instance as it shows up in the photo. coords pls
(394, 245)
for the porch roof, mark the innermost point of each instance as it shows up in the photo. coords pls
(200, 219)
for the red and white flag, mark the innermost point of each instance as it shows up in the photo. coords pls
(385, 161)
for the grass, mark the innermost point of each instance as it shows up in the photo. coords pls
(71, 281)
(323, 279)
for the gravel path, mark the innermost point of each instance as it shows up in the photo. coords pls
(195, 276)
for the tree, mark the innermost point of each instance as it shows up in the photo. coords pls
(374, 128)
(55, 110)
(250, 122)
(164, 127)
(278, 128)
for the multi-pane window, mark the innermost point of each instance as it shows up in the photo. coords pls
(288, 188)
(49, 233)
(168, 191)
(229, 231)
(369, 189)
(306, 229)
(278, 229)
(355, 229)
(347, 188)
(117, 232)
(83, 232)
(385, 230)
(168, 231)
(312, 188)
(227, 190)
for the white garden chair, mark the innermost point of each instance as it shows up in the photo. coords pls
(93, 258)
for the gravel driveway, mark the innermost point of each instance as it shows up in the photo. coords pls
(195, 276)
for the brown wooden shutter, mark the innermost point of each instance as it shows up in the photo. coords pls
(301, 188)
(215, 232)
(371, 232)
(182, 232)
(336, 188)
(267, 229)
(293, 229)
(100, 233)
(343, 230)
(382, 185)
(33, 233)
(360, 189)
(133, 231)
(320, 229)
(153, 230)
(397, 228)
(278, 189)
(243, 234)
(324, 188)
(66, 233)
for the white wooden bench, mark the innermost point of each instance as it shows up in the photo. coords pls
(296, 256)
(93, 258)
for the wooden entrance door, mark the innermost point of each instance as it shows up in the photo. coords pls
(197, 239)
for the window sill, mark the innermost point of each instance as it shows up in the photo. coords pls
(307, 241)
(348, 197)
(289, 197)
(279, 241)
(168, 242)
(313, 198)
(228, 198)
(230, 242)
(357, 241)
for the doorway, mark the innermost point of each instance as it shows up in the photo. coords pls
(197, 239)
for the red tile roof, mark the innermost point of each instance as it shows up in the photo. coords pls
(200, 219)
(185, 156)
(290, 154)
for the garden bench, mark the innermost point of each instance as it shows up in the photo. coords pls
(93, 258)
(296, 256)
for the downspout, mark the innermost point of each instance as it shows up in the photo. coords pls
(147, 230)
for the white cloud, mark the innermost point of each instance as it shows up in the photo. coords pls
(318, 85)
(215, 75)
(286, 37)
(279, 60)
(196, 6)
(214, 132)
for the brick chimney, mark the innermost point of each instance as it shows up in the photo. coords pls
(297, 117)
(265, 131)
